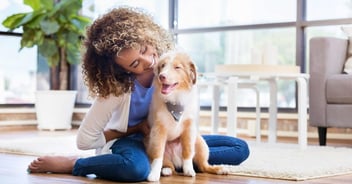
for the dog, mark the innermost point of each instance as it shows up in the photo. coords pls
(174, 141)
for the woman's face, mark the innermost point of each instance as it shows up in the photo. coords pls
(137, 61)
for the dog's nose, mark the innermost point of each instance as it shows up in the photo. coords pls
(162, 77)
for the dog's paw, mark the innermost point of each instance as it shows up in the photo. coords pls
(189, 172)
(153, 176)
(166, 171)
(188, 168)
(155, 170)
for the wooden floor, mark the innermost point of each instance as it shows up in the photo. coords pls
(13, 167)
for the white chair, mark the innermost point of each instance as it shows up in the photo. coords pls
(216, 81)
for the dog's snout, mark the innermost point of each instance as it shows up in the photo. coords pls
(162, 77)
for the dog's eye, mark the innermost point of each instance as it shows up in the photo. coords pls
(178, 67)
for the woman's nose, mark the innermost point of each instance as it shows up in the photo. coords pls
(149, 61)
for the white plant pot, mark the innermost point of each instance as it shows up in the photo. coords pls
(54, 109)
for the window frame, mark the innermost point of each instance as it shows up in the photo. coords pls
(301, 44)
(300, 24)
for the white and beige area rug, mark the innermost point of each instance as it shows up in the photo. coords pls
(64, 145)
(278, 161)
(288, 162)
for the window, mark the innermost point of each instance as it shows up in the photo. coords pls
(158, 8)
(327, 9)
(191, 14)
(243, 31)
(18, 70)
(233, 31)
(268, 46)
(24, 72)
(246, 33)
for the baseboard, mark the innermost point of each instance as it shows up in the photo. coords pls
(287, 122)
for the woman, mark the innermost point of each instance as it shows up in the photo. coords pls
(122, 47)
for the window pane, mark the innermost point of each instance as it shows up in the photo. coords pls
(328, 9)
(268, 46)
(210, 13)
(17, 72)
(158, 8)
(82, 90)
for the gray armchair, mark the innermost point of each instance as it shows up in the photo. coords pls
(330, 90)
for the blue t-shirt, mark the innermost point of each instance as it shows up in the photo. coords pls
(140, 101)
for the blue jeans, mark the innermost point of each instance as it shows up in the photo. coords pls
(129, 161)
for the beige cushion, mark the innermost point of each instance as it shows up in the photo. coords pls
(348, 64)
(339, 89)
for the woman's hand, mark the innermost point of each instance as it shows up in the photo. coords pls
(144, 128)
(112, 134)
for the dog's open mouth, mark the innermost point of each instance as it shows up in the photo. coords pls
(167, 88)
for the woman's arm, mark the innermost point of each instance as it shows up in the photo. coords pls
(91, 131)
(140, 127)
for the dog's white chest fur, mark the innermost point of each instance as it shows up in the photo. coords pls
(174, 125)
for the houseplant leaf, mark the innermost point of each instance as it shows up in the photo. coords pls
(39, 4)
(48, 48)
(73, 54)
(49, 26)
(55, 28)
(31, 37)
(12, 22)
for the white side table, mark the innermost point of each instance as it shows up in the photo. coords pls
(234, 79)
(216, 83)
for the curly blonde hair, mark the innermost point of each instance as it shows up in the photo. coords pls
(123, 27)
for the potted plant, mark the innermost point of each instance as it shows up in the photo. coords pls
(56, 28)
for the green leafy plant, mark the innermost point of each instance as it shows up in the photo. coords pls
(56, 28)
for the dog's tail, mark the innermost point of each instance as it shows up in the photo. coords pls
(212, 169)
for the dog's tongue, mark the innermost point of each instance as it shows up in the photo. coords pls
(166, 89)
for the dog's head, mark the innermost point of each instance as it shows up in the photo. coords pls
(175, 73)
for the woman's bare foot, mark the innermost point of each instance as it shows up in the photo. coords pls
(54, 164)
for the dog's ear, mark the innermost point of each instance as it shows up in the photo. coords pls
(157, 69)
(193, 72)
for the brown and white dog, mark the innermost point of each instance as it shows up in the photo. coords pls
(174, 141)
